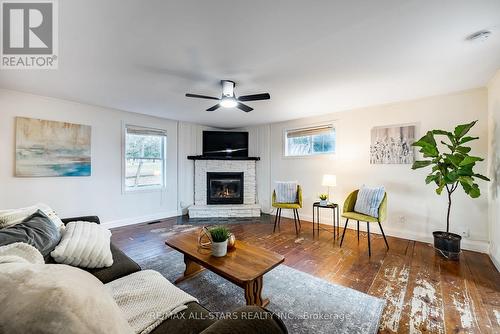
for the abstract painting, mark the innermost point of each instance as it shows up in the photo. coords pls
(50, 148)
(392, 145)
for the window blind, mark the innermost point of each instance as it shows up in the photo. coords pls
(136, 130)
(305, 132)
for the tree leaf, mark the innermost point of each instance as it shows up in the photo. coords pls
(474, 192)
(470, 160)
(467, 139)
(428, 139)
(441, 132)
(431, 178)
(466, 186)
(451, 177)
(427, 145)
(482, 177)
(463, 149)
(440, 188)
(453, 159)
(465, 170)
(461, 130)
(466, 179)
(421, 164)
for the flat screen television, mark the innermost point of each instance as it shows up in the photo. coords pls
(225, 144)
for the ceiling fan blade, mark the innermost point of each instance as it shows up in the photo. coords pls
(202, 96)
(217, 106)
(254, 97)
(244, 107)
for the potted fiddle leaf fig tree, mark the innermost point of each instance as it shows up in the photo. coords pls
(450, 170)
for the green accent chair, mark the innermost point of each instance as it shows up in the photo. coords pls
(349, 213)
(292, 206)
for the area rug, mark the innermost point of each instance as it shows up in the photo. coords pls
(305, 303)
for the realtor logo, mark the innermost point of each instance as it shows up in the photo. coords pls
(29, 34)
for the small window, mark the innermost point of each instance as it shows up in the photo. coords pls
(310, 141)
(144, 158)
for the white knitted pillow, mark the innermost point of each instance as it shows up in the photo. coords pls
(85, 245)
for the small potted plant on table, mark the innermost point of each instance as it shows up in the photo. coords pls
(219, 235)
(449, 171)
(323, 199)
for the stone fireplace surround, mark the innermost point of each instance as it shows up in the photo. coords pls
(203, 165)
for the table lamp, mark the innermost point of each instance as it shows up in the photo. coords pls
(329, 181)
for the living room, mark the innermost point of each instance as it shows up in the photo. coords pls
(252, 167)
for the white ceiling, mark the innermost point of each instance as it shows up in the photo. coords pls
(313, 57)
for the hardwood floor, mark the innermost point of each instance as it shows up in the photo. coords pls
(424, 292)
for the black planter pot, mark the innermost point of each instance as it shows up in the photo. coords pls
(447, 244)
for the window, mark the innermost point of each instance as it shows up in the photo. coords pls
(310, 141)
(144, 158)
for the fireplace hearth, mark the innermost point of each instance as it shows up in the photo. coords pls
(224, 188)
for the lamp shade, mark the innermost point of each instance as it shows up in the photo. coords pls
(329, 180)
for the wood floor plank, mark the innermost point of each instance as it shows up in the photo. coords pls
(391, 284)
(423, 292)
(485, 276)
(462, 306)
(423, 307)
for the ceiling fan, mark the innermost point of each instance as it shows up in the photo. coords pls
(229, 100)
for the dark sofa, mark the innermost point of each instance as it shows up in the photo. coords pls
(196, 318)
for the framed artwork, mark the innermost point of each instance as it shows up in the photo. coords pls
(49, 148)
(392, 145)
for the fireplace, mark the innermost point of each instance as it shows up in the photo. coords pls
(224, 188)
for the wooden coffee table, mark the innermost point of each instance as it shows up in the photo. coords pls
(244, 265)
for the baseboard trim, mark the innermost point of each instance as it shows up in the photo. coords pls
(472, 245)
(141, 219)
(495, 260)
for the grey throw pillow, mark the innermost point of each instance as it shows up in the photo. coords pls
(37, 230)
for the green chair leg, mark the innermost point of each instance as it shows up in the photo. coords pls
(295, 222)
(369, 246)
(279, 219)
(276, 220)
(383, 234)
(343, 233)
(358, 230)
(298, 219)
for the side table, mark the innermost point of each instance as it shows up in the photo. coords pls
(336, 220)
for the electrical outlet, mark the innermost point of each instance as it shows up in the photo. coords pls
(402, 219)
(465, 233)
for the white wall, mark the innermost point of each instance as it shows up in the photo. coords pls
(408, 195)
(190, 139)
(494, 167)
(99, 194)
(259, 146)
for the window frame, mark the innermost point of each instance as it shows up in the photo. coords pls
(325, 124)
(153, 188)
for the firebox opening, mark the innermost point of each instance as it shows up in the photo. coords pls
(224, 188)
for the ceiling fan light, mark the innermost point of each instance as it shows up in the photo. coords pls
(228, 102)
